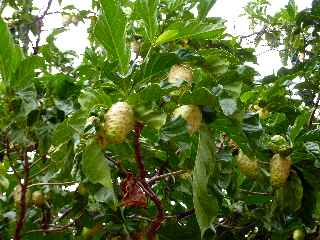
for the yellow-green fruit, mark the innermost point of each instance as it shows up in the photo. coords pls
(263, 113)
(191, 114)
(279, 144)
(82, 190)
(298, 234)
(17, 196)
(279, 170)
(38, 199)
(89, 233)
(119, 121)
(248, 167)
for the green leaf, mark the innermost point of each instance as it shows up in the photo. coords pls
(204, 7)
(26, 71)
(191, 30)
(206, 205)
(10, 54)
(299, 125)
(147, 10)
(95, 166)
(91, 98)
(110, 31)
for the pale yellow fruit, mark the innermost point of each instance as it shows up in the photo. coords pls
(180, 72)
(298, 234)
(191, 114)
(119, 121)
(248, 167)
(279, 170)
(38, 199)
(263, 113)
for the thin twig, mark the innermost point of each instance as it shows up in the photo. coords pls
(51, 183)
(256, 193)
(23, 200)
(156, 178)
(56, 229)
(38, 173)
(40, 22)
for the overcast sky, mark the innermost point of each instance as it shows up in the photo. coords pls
(76, 37)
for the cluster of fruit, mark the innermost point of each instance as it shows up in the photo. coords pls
(280, 163)
(119, 120)
(36, 198)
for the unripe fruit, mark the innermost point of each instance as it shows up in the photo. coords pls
(17, 196)
(38, 199)
(298, 234)
(89, 233)
(82, 190)
(279, 170)
(279, 144)
(248, 167)
(191, 114)
(119, 121)
(263, 113)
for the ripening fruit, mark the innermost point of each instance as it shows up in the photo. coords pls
(178, 74)
(279, 170)
(38, 199)
(191, 114)
(119, 121)
(89, 233)
(248, 167)
(298, 234)
(17, 196)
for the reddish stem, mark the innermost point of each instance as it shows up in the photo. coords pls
(160, 217)
(23, 202)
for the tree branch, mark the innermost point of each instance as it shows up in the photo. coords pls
(52, 183)
(156, 178)
(23, 200)
(256, 193)
(160, 217)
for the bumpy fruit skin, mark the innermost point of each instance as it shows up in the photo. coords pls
(17, 196)
(179, 73)
(119, 121)
(191, 114)
(298, 234)
(263, 113)
(279, 144)
(279, 170)
(38, 199)
(248, 167)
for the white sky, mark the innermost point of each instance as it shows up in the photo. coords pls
(76, 37)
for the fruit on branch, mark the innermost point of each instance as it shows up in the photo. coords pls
(248, 167)
(82, 190)
(191, 114)
(38, 199)
(234, 147)
(89, 233)
(279, 170)
(279, 144)
(298, 234)
(17, 196)
(119, 121)
(262, 111)
(179, 73)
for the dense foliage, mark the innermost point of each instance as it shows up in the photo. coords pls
(165, 130)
